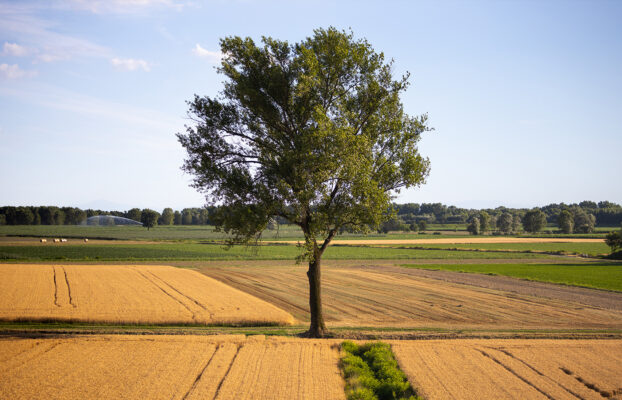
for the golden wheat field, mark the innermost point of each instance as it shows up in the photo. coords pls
(359, 297)
(169, 367)
(127, 294)
(513, 369)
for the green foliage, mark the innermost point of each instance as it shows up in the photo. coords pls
(600, 276)
(534, 220)
(167, 217)
(372, 373)
(484, 221)
(313, 132)
(505, 223)
(474, 226)
(149, 218)
(565, 221)
(134, 214)
(614, 240)
(583, 222)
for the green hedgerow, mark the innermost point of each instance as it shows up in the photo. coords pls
(372, 373)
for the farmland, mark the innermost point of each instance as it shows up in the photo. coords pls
(511, 369)
(393, 286)
(197, 251)
(377, 296)
(127, 294)
(234, 366)
(169, 367)
(596, 275)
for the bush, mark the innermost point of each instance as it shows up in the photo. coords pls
(372, 373)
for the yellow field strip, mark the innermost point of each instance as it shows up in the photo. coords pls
(513, 369)
(127, 294)
(169, 367)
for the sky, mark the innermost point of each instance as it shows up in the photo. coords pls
(525, 96)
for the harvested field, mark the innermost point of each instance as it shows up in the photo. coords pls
(513, 369)
(169, 367)
(396, 297)
(127, 294)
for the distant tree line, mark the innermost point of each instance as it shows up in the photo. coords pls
(569, 218)
(52, 215)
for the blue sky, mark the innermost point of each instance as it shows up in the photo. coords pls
(525, 97)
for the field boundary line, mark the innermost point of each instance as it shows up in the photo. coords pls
(510, 370)
(194, 318)
(227, 372)
(198, 378)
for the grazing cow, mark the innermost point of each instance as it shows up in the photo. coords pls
(56, 240)
(63, 240)
(86, 240)
(44, 240)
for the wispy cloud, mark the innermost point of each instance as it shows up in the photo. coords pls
(120, 6)
(14, 72)
(130, 64)
(40, 36)
(14, 49)
(211, 56)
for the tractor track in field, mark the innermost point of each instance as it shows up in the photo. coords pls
(591, 297)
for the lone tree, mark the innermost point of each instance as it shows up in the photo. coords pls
(149, 218)
(313, 132)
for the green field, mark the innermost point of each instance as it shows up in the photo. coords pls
(601, 275)
(206, 232)
(195, 251)
(571, 248)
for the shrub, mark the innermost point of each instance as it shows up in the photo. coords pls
(372, 373)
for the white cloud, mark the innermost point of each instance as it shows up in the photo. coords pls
(119, 6)
(211, 56)
(14, 72)
(14, 49)
(42, 40)
(130, 64)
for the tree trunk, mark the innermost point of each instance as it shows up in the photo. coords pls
(317, 328)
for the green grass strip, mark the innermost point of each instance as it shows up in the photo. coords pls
(372, 373)
(604, 275)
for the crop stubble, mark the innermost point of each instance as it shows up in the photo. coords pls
(127, 294)
(169, 367)
(513, 369)
(357, 296)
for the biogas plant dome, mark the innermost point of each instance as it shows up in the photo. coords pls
(109, 220)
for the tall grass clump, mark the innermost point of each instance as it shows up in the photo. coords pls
(372, 373)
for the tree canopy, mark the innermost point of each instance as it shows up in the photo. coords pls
(313, 132)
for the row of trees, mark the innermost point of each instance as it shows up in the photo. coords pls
(606, 213)
(573, 218)
(52, 215)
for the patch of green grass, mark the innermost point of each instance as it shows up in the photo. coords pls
(606, 276)
(372, 373)
(195, 251)
(571, 248)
